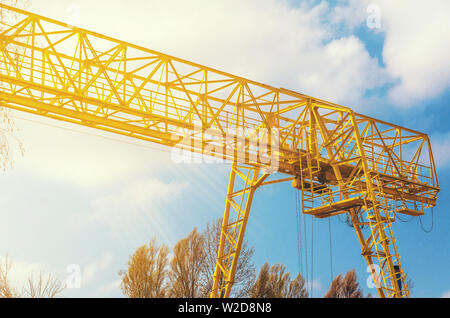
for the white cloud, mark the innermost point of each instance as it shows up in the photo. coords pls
(441, 149)
(417, 42)
(110, 289)
(348, 73)
(91, 270)
(86, 158)
(22, 271)
(446, 294)
(317, 285)
(133, 199)
(349, 14)
(416, 48)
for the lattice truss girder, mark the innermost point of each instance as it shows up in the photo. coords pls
(75, 75)
(55, 70)
(342, 161)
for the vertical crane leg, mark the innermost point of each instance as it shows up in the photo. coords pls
(375, 214)
(244, 180)
(380, 243)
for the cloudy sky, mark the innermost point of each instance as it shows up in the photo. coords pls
(84, 198)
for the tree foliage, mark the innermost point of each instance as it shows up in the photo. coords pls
(186, 266)
(245, 270)
(189, 273)
(147, 272)
(345, 287)
(6, 291)
(45, 286)
(274, 282)
(10, 145)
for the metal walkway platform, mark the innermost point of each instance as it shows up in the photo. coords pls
(335, 208)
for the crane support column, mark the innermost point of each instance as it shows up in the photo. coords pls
(244, 180)
(379, 215)
(331, 186)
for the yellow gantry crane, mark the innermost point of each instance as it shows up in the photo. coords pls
(342, 161)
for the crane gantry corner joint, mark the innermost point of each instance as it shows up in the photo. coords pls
(342, 161)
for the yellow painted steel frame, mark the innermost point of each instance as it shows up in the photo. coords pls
(343, 162)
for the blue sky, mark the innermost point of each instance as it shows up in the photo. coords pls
(79, 196)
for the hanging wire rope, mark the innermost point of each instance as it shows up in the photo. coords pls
(347, 220)
(397, 215)
(331, 249)
(93, 134)
(299, 235)
(306, 249)
(432, 222)
(300, 229)
(340, 218)
(312, 254)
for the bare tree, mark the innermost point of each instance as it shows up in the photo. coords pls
(186, 266)
(245, 269)
(8, 130)
(45, 286)
(334, 290)
(345, 287)
(410, 283)
(6, 291)
(275, 282)
(190, 271)
(279, 280)
(261, 288)
(297, 288)
(146, 276)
